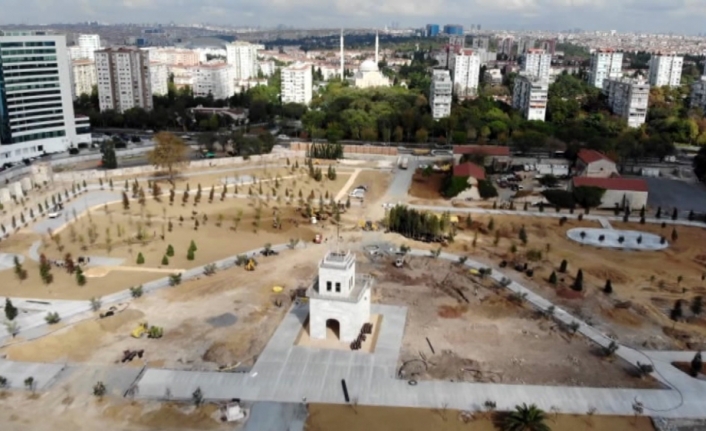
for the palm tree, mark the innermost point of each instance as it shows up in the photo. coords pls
(526, 418)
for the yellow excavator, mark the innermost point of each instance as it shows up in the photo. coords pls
(140, 330)
(250, 266)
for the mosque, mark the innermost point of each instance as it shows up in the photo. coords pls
(368, 74)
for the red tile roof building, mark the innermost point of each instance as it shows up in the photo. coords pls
(469, 169)
(485, 150)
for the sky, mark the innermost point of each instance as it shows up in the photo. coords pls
(653, 16)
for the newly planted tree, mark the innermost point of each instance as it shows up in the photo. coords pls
(526, 418)
(578, 281)
(608, 289)
(10, 310)
(140, 258)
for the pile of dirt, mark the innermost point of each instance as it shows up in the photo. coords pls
(166, 416)
(451, 311)
(622, 316)
(74, 343)
(449, 366)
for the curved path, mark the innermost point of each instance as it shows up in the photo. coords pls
(381, 387)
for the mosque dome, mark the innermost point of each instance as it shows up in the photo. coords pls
(368, 66)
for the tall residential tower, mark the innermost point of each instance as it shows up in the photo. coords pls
(124, 80)
(605, 64)
(665, 70)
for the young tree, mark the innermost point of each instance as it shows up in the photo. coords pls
(108, 158)
(696, 364)
(80, 278)
(192, 246)
(553, 278)
(697, 305)
(190, 254)
(677, 311)
(608, 289)
(658, 214)
(578, 281)
(523, 235)
(10, 310)
(170, 250)
(140, 259)
(491, 224)
(211, 194)
(165, 260)
(526, 418)
(563, 266)
(20, 272)
(126, 201)
(172, 193)
(170, 152)
(675, 213)
(675, 235)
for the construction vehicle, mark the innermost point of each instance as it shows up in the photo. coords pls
(318, 239)
(140, 330)
(368, 225)
(129, 355)
(155, 332)
(250, 266)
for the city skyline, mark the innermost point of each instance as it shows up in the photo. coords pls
(651, 16)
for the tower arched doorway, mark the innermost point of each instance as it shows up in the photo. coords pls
(333, 329)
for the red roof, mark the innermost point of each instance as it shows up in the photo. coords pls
(627, 184)
(590, 156)
(469, 169)
(486, 150)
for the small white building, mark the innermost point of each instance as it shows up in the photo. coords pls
(665, 70)
(339, 299)
(440, 94)
(529, 96)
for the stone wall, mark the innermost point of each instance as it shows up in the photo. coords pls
(351, 149)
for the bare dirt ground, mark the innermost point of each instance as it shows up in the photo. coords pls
(426, 187)
(646, 285)
(324, 417)
(480, 334)
(222, 320)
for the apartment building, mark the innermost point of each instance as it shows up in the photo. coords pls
(605, 64)
(665, 70)
(36, 107)
(159, 78)
(267, 68)
(537, 63)
(466, 70)
(85, 48)
(214, 79)
(124, 80)
(297, 84)
(698, 93)
(242, 57)
(174, 56)
(628, 98)
(440, 94)
(83, 77)
(529, 96)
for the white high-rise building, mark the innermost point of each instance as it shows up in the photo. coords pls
(85, 48)
(267, 68)
(529, 96)
(214, 79)
(242, 56)
(159, 78)
(297, 84)
(605, 64)
(466, 73)
(36, 107)
(665, 70)
(441, 94)
(83, 77)
(698, 93)
(537, 63)
(628, 98)
(124, 80)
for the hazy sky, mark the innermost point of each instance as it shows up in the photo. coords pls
(679, 16)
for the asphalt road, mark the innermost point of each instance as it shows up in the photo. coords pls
(685, 196)
(81, 204)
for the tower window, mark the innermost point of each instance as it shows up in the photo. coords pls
(328, 286)
(338, 287)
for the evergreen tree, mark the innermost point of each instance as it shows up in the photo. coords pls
(658, 215)
(553, 278)
(697, 305)
(675, 235)
(696, 364)
(523, 235)
(140, 259)
(190, 254)
(677, 311)
(170, 250)
(80, 278)
(10, 310)
(192, 246)
(563, 266)
(675, 214)
(165, 260)
(608, 289)
(578, 281)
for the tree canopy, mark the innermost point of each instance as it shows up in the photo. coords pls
(169, 153)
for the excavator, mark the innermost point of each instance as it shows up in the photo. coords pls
(140, 330)
(250, 266)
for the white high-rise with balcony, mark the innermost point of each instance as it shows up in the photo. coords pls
(36, 107)
(124, 80)
(605, 64)
(242, 56)
(83, 76)
(466, 73)
(628, 98)
(85, 48)
(214, 79)
(537, 63)
(441, 94)
(529, 96)
(665, 70)
(297, 85)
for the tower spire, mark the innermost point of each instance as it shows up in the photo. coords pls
(342, 61)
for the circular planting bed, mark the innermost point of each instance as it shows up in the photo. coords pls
(615, 238)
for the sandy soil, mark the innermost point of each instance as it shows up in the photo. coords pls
(191, 315)
(324, 417)
(426, 187)
(480, 334)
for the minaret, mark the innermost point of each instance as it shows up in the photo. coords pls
(342, 69)
(377, 47)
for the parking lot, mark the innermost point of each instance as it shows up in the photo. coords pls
(668, 193)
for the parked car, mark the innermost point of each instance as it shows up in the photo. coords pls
(54, 213)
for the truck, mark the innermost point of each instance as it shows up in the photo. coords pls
(403, 163)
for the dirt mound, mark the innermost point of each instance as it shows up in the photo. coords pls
(448, 365)
(622, 316)
(75, 343)
(603, 273)
(451, 311)
(220, 353)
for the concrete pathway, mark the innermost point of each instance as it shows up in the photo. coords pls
(351, 179)
(605, 223)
